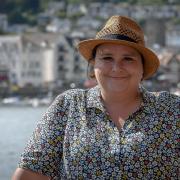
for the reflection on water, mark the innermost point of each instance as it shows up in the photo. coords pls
(16, 125)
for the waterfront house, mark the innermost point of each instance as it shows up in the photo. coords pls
(3, 22)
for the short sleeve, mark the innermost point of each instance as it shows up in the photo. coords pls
(171, 101)
(43, 152)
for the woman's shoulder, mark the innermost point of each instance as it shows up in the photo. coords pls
(162, 100)
(72, 95)
(64, 100)
(167, 97)
(167, 102)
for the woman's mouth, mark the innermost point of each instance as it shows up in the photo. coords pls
(118, 77)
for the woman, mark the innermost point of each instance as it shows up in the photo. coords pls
(116, 130)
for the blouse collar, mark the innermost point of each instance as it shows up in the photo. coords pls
(94, 99)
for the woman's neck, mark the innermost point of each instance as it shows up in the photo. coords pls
(121, 98)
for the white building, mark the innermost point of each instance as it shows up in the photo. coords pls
(55, 6)
(87, 22)
(3, 22)
(11, 56)
(59, 25)
(74, 9)
(41, 60)
(173, 36)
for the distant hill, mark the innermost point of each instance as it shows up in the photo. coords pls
(25, 11)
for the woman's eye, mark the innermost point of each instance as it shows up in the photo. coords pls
(107, 58)
(128, 59)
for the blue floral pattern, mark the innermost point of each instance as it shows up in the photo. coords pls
(76, 139)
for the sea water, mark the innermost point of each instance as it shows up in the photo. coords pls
(16, 125)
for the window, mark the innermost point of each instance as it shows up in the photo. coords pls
(61, 58)
(61, 48)
(61, 68)
(76, 58)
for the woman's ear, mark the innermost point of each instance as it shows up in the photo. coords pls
(90, 68)
(142, 76)
(92, 62)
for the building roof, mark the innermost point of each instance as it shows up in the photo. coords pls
(42, 39)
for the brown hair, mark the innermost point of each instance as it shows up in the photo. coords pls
(90, 68)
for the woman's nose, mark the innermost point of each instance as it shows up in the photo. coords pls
(117, 66)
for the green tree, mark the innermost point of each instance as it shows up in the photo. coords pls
(32, 5)
(6, 6)
(152, 2)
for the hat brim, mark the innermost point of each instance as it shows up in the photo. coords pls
(151, 61)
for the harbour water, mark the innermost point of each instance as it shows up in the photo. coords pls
(16, 125)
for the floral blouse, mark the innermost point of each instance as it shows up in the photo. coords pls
(76, 139)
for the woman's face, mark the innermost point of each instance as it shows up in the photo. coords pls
(118, 68)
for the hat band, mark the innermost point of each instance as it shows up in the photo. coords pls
(118, 37)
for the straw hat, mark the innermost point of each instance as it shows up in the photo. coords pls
(122, 30)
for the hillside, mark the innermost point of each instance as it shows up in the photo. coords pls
(25, 11)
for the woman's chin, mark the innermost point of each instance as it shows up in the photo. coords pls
(116, 88)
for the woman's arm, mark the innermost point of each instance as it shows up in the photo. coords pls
(23, 174)
(44, 149)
